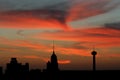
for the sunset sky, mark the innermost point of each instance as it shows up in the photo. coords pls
(28, 28)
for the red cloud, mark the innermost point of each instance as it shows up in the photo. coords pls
(18, 44)
(56, 19)
(22, 43)
(31, 57)
(8, 50)
(12, 20)
(84, 39)
(64, 61)
(101, 37)
(73, 51)
(85, 9)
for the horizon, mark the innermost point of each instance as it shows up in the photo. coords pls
(28, 29)
(42, 70)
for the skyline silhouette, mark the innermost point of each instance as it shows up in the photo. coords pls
(17, 71)
(28, 28)
(51, 66)
(52, 63)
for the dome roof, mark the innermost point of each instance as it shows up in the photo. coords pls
(94, 53)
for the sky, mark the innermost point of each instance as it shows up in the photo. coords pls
(77, 27)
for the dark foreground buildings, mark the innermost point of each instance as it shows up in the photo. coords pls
(17, 71)
(15, 68)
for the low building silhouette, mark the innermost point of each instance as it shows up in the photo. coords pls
(14, 67)
(18, 71)
(1, 72)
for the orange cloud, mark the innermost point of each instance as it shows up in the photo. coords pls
(100, 37)
(55, 19)
(59, 61)
(110, 55)
(8, 50)
(18, 20)
(23, 44)
(31, 57)
(73, 51)
(85, 9)
(30, 45)
(64, 61)
(83, 40)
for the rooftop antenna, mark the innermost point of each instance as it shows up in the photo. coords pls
(53, 46)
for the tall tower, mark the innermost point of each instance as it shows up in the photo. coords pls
(52, 65)
(94, 53)
(54, 61)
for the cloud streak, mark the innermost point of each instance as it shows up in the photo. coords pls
(113, 25)
(54, 16)
(97, 36)
(17, 45)
(31, 19)
(83, 40)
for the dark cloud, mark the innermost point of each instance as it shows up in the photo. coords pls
(113, 25)
(61, 10)
(42, 14)
(49, 15)
(27, 4)
(65, 5)
(99, 35)
(20, 32)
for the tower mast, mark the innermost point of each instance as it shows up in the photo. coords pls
(53, 47)
(94, 53)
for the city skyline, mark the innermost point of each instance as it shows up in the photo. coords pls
(15, 67)
(17, 71)
(28, 28)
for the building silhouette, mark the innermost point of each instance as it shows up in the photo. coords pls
(14, 67)
(17, 71)
(52, 65)
(1, 72)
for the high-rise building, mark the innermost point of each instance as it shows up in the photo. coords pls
(52, 65)
(54, 62)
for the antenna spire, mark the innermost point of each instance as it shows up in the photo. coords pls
(53, 46)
